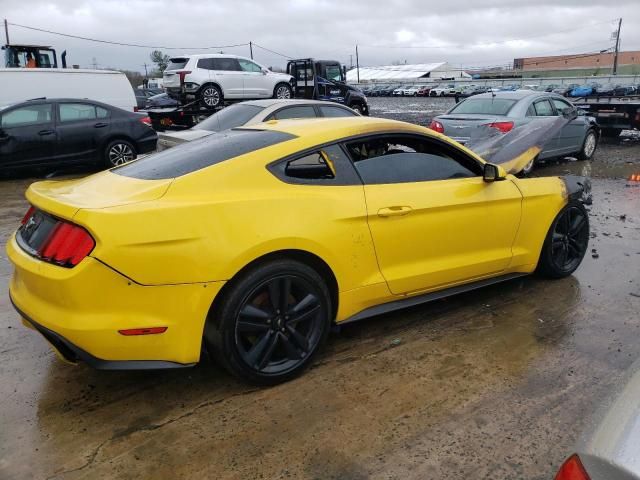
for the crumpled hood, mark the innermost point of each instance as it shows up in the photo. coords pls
(513, 150)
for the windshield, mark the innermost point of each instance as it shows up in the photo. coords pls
(177, 63)
(487, 106)
(231, 117)
(334, 73)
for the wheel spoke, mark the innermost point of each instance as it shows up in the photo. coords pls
(257, 352)
(304, 304)
(292, 352)
(299, 339)
(254, 327)
(263, 360)
(297, 318)
(254, 312)
(577, 225)
(556, 240)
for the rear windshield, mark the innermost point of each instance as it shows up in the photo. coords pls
(198, 154)
(488, 106)
(231, 117)
(177, 63)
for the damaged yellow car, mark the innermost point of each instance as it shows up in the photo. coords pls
(255, 241)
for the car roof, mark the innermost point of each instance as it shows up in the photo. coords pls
(209, 55)
(282, 102)
(33, 101)
(511, 95)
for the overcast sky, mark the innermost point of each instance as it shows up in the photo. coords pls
(462, 32)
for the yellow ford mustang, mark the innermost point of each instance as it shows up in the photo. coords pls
(253, 242)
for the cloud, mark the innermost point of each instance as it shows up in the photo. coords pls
(469, 32)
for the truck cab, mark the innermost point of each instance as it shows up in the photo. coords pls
(325, 80)
(41, 56)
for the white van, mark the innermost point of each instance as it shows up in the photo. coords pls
(112, 88)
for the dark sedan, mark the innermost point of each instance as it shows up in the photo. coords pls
(54, 133)
(143, 95)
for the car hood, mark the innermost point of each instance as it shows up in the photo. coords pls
(183, 136)
(515, 149)
(102, 190)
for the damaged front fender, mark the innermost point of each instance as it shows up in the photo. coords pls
(578, 189)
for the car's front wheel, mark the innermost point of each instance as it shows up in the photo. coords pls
(271, 322)
(566, 242)
(588, 146)
(118, 152)
(210, 97)
(283, 91)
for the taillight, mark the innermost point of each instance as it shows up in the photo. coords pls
(27, 215)
(183, 74)
(146, 120)
(436, 126)
(54, 240)
(572, 469)
(504, 127)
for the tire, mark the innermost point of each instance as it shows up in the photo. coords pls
(283, 91)
(357, 107)
(442, 94)
(611, 132)
(248, 334)
(210, 97)
(589, 145)
(528, 168)
(118, 152)
(566, 242)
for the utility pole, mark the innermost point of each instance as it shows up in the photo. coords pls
(357, 64)
(350, 62)
(6, 30)
(146, 74)
(251, 49)
(615, 56)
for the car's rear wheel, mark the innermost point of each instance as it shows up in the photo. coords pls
(588, 146)
(210, 96)
(566, 242)
(271, 322)
(118, 152)
(283, 91)
(528, 168)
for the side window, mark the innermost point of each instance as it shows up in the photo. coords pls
(405, 159)
(248, 66)
(102, 112)
(225, 64)
(206, 63)
(25, 116)
(306, 111)
(543, 108)
(328, 111)
(561, 105)
(72, 112)
(311, 166)
(531, 111)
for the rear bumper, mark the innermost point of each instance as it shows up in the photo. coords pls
(147, 144)
(80, 311)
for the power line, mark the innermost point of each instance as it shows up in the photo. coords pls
(272, 51)
(125, 44)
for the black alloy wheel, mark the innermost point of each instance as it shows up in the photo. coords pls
(566, 243)
(272, 322)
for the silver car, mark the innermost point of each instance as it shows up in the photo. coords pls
(251, 112)
(609, 447)
(505, 111)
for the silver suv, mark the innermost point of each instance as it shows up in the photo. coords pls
(212, 78)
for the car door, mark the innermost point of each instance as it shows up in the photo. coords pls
(433, 219)
(228, 74)
(256, 82)
(81, 128)
(572, 134)
(542, 108)
(27, 136)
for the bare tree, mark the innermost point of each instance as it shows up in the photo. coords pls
(160, 59)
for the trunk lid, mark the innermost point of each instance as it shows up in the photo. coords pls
(459, 127)
(102, 190)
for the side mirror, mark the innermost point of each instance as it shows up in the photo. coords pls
(264, 71)
(493, 173)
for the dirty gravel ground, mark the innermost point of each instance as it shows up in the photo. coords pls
(495, 384)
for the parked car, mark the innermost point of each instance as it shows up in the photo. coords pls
(162, 100)
(607, 449)
(143, 95)
(505, 111)
(254, 112)
(423, 91)
(565, 90)
(21, 84)
(442, 90)
(273, 235)
(53, 133)
(584, 90)
(411, 91)
(398, 92)
(622, 90)
(606, 89)
(213, 78)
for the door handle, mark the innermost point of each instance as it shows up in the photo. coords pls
(99, 125)
(396, 211)
(46, 132)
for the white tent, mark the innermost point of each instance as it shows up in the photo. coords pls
(434, 71)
